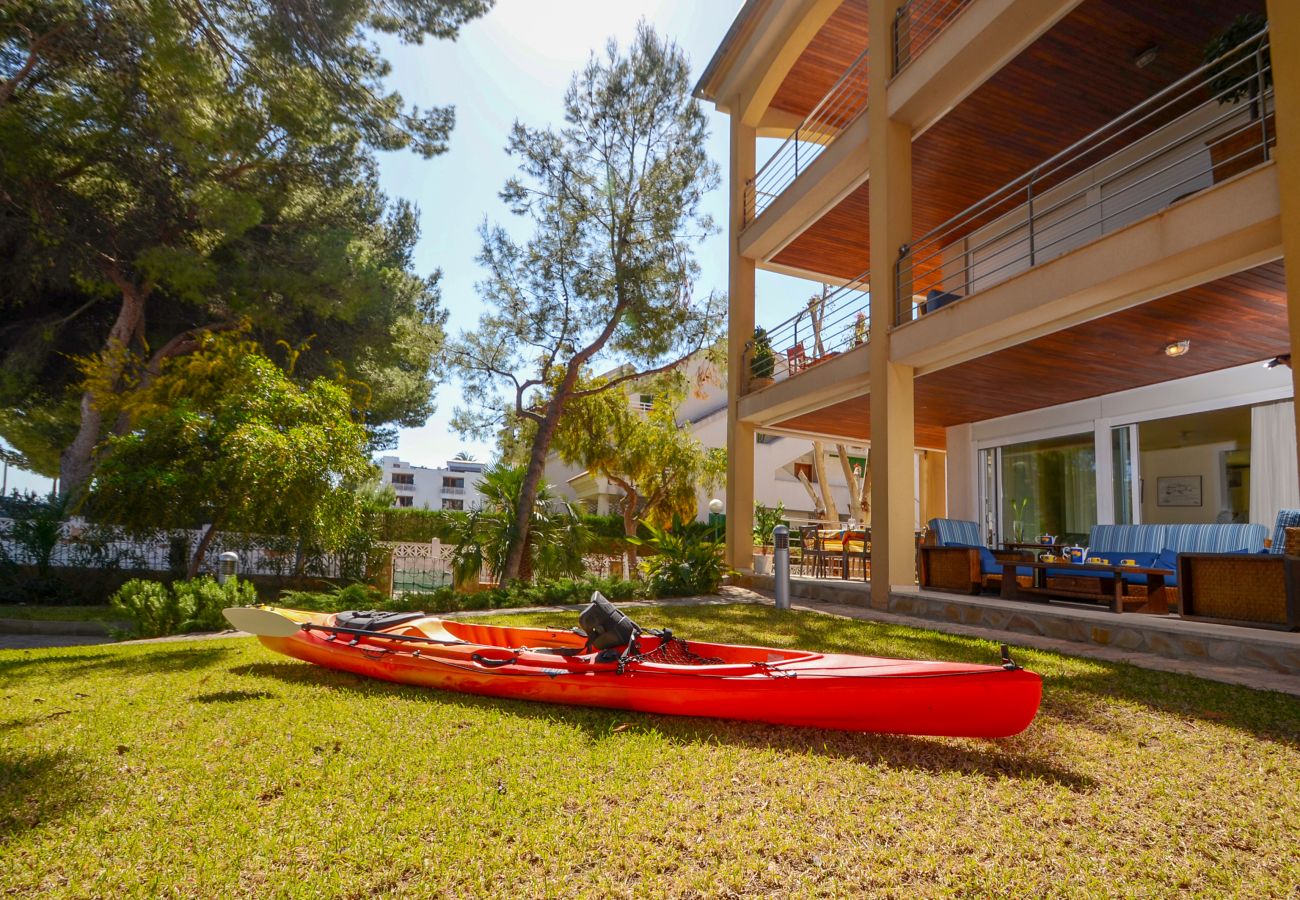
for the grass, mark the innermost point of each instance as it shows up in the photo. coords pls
(218, 769)
(100, 613)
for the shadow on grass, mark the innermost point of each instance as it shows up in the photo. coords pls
(37, 787)
(178, 658)
(1021, 757)
(233, 696)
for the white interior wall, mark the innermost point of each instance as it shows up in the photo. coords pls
(1205, 460)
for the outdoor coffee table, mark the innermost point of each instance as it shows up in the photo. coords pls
(1111, 585)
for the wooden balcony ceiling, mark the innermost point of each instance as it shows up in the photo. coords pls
(1074, 79)
(1233, 321)
(837, 44)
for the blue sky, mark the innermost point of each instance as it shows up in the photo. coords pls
(515, 63)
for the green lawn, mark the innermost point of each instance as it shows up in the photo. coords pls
(102, 613)
(218, 769)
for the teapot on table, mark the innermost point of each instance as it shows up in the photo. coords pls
(1074, 554)
(1046, 539)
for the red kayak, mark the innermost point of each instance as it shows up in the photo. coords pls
(615, 664)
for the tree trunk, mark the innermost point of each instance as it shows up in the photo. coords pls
(855, 495)
(812, 492)
(75, 462)
(819, 468)
(629, 527)
(533, 476)
(201, 551)
(816, 312)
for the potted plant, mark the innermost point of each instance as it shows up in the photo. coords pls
(1241, 70)
(766, 518)
(762, 361)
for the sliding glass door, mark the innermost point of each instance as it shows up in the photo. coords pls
(1046, 486)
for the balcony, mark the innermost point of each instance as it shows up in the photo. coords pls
(403, 488)
(452, 491)
(843, 103)
(1211, 125)
(827, 327)
(916, 24)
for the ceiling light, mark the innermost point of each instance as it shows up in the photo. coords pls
(1177, 348)
(1146, 57)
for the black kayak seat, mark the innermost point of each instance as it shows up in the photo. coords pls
(374, 619)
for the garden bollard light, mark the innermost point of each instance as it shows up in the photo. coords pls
(227, 565)
(781, 565)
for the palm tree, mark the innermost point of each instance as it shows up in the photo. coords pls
(556, 536)
(464, 456)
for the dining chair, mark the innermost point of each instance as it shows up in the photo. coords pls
(796, 359)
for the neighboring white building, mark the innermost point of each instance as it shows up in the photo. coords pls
(453, 486)
(778, 462)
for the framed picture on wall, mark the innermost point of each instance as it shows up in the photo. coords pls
(1178, 490)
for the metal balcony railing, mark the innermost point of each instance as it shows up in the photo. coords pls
(917, 23)
(1211, 124)
(832, 114)
(825, 328)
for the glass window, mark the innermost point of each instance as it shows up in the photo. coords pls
(1048, 487)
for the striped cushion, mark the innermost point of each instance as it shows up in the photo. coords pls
(1215, 538)
(1127, 538)
(1286, 518)
(956, 531)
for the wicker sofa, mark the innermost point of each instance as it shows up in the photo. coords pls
(1159, 547)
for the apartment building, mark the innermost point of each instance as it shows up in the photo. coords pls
(453, 486)
(784, 470)
(1058, 233)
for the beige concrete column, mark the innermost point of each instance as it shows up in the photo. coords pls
(893, 554)
(1284, 37)
(740, 329)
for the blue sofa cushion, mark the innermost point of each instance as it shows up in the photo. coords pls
(989, 564)
(1225, 538)
(956, 532)
(1286, 518)
(1128, 539)
(1168, 559)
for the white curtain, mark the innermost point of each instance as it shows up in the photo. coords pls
(1274, 480)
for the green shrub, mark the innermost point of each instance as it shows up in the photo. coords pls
(685, 561)
(762, 362)
(156, 609)
(766, 518)
(352, 596)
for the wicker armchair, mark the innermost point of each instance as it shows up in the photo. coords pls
(1239, 589)
(954, 562)
(1260, 589)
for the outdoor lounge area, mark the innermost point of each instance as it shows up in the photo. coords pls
(1227, 573)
